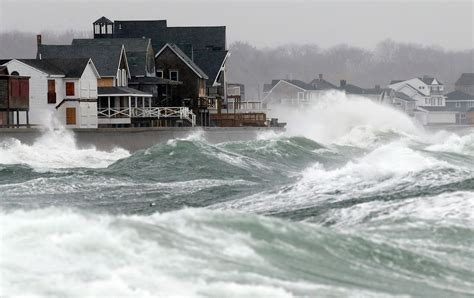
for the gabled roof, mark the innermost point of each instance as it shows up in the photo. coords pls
(466, 79)
(458, 95)
(210, 62)
(429, 80)
(322, 84)
(105, 58)
(198, 71)
(103, 20)
(136, 49)
(71, 68)
(403, 96)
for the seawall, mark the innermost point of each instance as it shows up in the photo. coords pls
(134, 139)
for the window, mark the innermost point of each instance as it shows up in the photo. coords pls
(51, 91)
(124, 77)
(440, 101)
(458, 104)
(15, 73)
(427, 101)
(159, 73)
(69, 88)
(174, 75)
(70, 116)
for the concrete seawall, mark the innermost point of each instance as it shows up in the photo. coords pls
(133, 139)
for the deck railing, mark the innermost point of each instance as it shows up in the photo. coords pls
(183, 113)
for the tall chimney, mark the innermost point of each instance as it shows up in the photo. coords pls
(38, 39)
(320, 76)
(343, 83)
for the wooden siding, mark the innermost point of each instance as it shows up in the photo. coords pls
(167, 61)
(70, 89)
(70, 116)
(105, 82)
(51, 91)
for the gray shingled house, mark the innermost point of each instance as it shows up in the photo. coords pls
(205, 46)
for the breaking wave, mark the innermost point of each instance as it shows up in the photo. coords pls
(354, 200)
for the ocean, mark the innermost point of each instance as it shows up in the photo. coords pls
(353, 200)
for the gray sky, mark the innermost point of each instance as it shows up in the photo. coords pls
(267, 23)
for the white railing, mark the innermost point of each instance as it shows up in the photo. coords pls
(183, 113)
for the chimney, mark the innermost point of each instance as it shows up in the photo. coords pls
(343, 83)
(320, 76)
(38, 39)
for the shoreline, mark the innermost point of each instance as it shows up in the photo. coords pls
(133, 139)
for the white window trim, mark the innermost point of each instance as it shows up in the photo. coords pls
(177, 74)
(162, 73)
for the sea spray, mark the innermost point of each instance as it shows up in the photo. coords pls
(356, 200)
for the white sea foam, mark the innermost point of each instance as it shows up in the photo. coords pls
(174, 254)
(56, 149)
(388, 168)
(340, 118)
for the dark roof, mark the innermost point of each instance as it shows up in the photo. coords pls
(3, 70)
(105, 58)
(466, 79)
(395, 81)
(458, 95)
(429, 80)
(210, 62)
(161, 34)
(120, 91)
(322, 84)
(131, 44)
(136, 49)
(103, 20)
(301, 84)
(72, 68)
(153, 80)
(186, 59)
(3, 61)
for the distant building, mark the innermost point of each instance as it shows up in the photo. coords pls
(321, 84)
(427, 91)
(398, 100)
(371, 93)
(234, 89)
(66, 88)
(290, 92)
(465, 83)
(460, 102)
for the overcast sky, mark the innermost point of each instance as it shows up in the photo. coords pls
(267, 23)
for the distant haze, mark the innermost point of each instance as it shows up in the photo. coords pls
(448, 24)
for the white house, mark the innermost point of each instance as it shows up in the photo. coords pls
(427, 91)
(63, 88)
(290, 92)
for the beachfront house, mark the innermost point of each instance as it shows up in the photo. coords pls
(290, 92)
(14, 98)
(65, 89)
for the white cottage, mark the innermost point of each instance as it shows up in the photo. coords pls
(66, 89)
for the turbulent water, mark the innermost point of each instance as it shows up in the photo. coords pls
(354, 200)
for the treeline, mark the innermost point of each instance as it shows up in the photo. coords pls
(254, 67)
(17, 44)
(366, 68)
